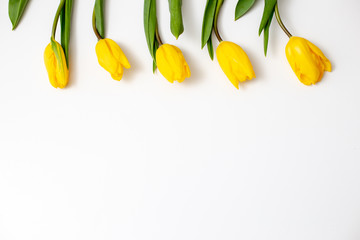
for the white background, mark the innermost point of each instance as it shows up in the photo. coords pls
(145, 159)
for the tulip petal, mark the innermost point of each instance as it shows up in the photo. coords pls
(50, 63)
(187, 70)
(111, 58)
(234, 62)
(306, 60)
(172, 64)
(55, 62)
(320, 54)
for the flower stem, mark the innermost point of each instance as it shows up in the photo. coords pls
(281, 24)
(157, 35)
(217, 34)
(216, 29)
(94, 27)
(56, 20)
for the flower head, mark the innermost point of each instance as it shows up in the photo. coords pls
(56, 66)
(111, 58)
(306, 60)
(234, 62)
(171, 63)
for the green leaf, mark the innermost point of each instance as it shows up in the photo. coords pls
(210, 48)
(268, 13)
(266, 33)
(156, 46)
(58, 53)
(16, 10)
(150, 27)
(217, 10)
(242, 7)
(176, 21)
(65, 22)
(154, 66)
(208, 21)
(99, 17)
(266, 38)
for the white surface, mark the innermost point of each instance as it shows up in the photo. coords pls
(144, 159)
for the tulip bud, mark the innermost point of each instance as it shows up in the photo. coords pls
(111, 58)
(171, 63)
(306, 60)
(234, 62)
(56, 66)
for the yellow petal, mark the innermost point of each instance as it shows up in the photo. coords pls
(56, 66)
(171, 63)
(111, 58)
(234, 62)
(306, 60)
(316, 51)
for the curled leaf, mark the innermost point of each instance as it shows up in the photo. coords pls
(267, 17)
(150, 27)
(16, 10)
(266, 35)
(65, 22)
(176, 21)
(242, 7)
(210, 48)
(99, 17)
(208, 21)
(269, 10)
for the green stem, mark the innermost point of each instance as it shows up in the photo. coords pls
(216, 29)
(94, 27)
(157, 35)
(278, 18)
(56, 20)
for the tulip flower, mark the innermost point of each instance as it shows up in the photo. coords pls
(167, 58)
(306, 60)
(171, 63)
(234, 62)
(109, 53)
(56, 55)
(231, 57)
(55, 62)
(111, 58)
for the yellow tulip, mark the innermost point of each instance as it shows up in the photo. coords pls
(234, 62)
(56, 66)
(111, 58)
(306, 60)
(171, 63)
